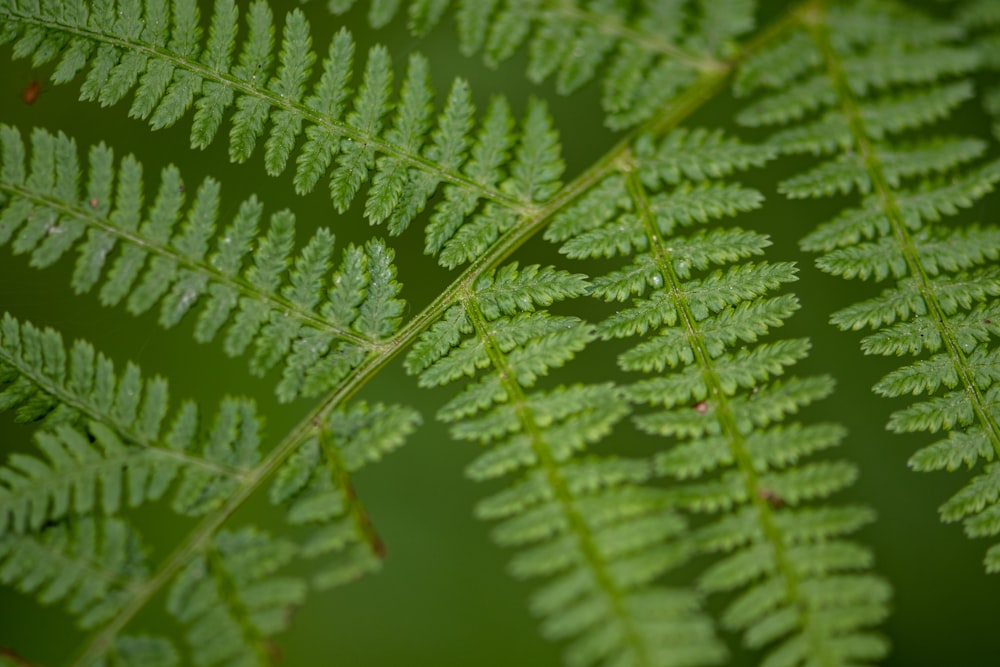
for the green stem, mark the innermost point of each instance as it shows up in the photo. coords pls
(531, 223)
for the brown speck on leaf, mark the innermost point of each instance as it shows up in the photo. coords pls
(772, 498)
(93, 202)
(701, 406)
(274, 653)
(378, 546)
(31, 92)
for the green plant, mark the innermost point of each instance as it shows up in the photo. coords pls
(640, 493)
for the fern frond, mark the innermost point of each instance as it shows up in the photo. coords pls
(847, 172)
(315, 485)
(395, 145)
(286, 307)
(230, 599)
(534, 176)
(803, 589)
(981, 19)
(91, 566)
(943, 282)
(849, 90)
(105, 442)
(643, 53)
(140, 650)
(590, 525)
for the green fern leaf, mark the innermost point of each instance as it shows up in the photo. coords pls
(100, 468)
(589, 525)
(126, 453)
(114, 426)
(366, 143)
(411, 125)
(317, 332)
(91, 566)
(617, 487)
(641, 54)
(296, 60)
(942, 279)
(723, 405)
(231, 600)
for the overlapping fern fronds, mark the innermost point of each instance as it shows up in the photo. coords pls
(104, 445)
(589, 524)
(698, 311)
(90, 565)
(644, 52)
(318, 327)
(158, 50)
(860, 95)
(734, 487)
(93, 567)
(227, 593)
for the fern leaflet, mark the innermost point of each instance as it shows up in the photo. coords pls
(720, 405)
(317, 328)
(648, 51)
(941, 301)
(587, 523)
(104, 444)
(89, 564)
(164, 58)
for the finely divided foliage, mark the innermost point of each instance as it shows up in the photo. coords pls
(318, 327)
(645, 53)
(719, 406)
(982, 18)
(941, 306)
(103, 447)
(591, 523)
(352, 136)
(720, 478)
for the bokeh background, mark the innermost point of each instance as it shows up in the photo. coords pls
(443, 597)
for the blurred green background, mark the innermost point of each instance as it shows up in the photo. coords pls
(443, 597)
